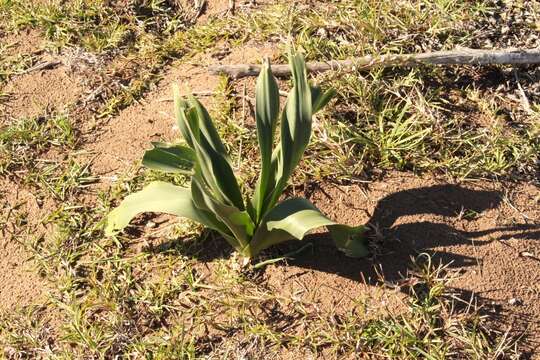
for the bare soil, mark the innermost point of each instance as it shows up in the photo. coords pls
(123, 139)
(40, 92)
(23, 42)
(20, 283)
(488, 232)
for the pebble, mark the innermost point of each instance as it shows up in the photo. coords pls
(515, 301)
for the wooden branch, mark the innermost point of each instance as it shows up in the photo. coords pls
(43, 66)
(454, 57)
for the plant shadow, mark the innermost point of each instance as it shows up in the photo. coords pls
(207, 247)
(402, 241)
(405, 240)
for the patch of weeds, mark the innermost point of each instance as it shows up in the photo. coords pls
(12, 64)
(13, 220)
(400, 118)
(434, 327)
(398, 121)
(349, 28)
(114, 300)
(147, 33)
(151, 60)
(117, 301)
(29, 150)
(24, 140)
(431, 327)
(61, 180)
(75, 228)
(97, 25)
(26, 335)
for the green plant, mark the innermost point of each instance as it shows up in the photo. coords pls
(215, 198)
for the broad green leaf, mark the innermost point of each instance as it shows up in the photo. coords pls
(169, 158)
(215, 199)
(206, 127)
(238, 222)
(160, 197)
(216, 171)
(218, 174)
(294, 218)
(349, 239)
(266, 110)
(300, 108)
(266, 113)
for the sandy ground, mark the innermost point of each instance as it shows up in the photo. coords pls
(494, 251)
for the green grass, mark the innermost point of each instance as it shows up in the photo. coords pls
(12, 64)
(27, 155)
(147, 33)
(405, 119)
(23, 140)
(387, 119)
(96, 26)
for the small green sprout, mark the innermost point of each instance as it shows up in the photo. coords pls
(215, 199)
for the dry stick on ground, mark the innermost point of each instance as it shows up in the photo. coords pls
(461, 56)
(43, 66)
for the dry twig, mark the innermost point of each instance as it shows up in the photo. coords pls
(454, 57)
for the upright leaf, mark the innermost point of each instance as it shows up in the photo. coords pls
(206, 127)
(295, 128)
(218, 174)
(212, 158)
(266, 113)
(180, 108)
(320, 99)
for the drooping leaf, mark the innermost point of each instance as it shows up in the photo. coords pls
(349, 239)
(169, 158)
(294, 218)
(160, 197)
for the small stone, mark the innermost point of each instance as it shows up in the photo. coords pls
(151, 224)
(515, 301)
(322, 33)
